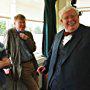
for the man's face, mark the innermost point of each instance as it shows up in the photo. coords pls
(70, 20)
(20, 24)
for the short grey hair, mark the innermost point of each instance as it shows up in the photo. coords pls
(65, 9)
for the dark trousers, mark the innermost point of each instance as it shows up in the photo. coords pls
(28, 77)
(27, 80)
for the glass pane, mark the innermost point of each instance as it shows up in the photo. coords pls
(36, 29)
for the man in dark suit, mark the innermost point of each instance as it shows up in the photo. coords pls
(20, 47)
(68, 63)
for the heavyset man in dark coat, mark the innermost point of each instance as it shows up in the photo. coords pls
(68, 63)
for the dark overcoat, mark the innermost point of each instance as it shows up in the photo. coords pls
(75, 68)
(12, 45)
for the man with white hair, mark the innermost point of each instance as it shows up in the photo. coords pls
(68, 64)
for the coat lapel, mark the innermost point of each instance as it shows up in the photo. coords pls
(58, 40)
(56, 45)
(74, 43)
(54, 54)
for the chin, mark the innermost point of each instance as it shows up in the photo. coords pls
(71, 30)
(22, 30)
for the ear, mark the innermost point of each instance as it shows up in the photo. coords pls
(61, 21)
(14, 22)
(78, 16)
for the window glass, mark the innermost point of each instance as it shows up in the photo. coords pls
(85, 18)
(84, 7)
(33, 11)
(36, 29)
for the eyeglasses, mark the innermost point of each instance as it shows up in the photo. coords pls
(70, 16)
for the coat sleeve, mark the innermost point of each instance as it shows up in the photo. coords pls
(30, 42)
(7, 43)
(47, 62)
(2, 51)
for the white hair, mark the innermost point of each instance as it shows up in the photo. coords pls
(65, 9)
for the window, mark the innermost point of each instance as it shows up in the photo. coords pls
(4, 24)
(35, 27)
(84, 7)
(33, 11)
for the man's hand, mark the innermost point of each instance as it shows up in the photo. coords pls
(23, 36)
(4, 62)
(41, 69)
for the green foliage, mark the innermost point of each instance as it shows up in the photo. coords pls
(37, 30)
(2, 27)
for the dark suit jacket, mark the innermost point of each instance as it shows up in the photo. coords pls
(75, 68)
(12, 45)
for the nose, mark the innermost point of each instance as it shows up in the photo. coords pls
(70, 18)
(22, 23)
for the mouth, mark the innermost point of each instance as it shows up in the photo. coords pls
(71, 23)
